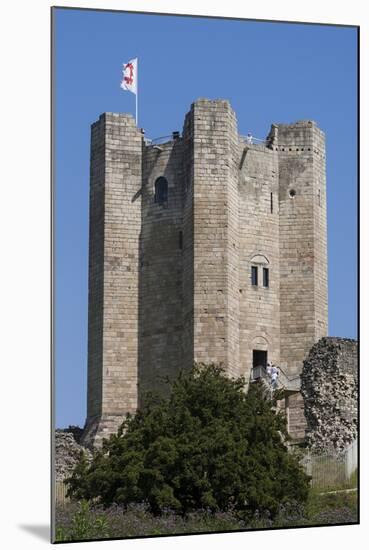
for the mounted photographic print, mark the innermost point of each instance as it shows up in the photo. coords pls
(205, 297)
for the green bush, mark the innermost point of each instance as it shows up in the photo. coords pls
(210, 445)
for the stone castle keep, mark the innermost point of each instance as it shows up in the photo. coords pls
(203, 248)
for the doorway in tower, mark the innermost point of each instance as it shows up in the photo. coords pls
(259, 358)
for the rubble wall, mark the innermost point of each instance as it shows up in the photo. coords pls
(329, 386)
(67, 453)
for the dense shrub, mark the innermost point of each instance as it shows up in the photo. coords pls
(210, 445)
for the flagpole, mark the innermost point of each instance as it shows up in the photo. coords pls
(137, 108)
(137, 94)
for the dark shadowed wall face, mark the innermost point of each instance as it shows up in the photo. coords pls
(161, 265)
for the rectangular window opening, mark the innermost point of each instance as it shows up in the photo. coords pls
(271, 203)
(265, 276)
(259, 358)
(254, 275)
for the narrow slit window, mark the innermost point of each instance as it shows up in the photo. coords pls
(265, 277)
(271, 203)
(319, 198)
(254, 275)
(180, 240)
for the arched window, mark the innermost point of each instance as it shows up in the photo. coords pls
(259, 261)
(161, 190)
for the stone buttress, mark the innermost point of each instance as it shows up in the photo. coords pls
(115, 225)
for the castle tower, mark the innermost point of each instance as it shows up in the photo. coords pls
(204, 247)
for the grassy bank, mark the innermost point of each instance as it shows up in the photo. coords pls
(80, 521)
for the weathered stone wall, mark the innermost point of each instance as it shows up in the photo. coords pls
(320, 237)
(329, 385)
(259, 247)
(96, 270)
(188, 240)
(295, 417)
(215, 213)
(302, 227)
(161, 269)
(115, 225)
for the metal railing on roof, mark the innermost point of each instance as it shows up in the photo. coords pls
(251, 140)
(162, 139)
(171, 137)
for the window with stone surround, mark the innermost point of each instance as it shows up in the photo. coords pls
(259, 262)
(161, 190)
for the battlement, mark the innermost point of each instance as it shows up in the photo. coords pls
(219, 102)
(298, 124)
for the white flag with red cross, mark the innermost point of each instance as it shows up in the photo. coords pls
(129, 81)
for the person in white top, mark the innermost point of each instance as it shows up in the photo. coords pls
(269, 368)
(274, 372)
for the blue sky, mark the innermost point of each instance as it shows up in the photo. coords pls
(270, 72)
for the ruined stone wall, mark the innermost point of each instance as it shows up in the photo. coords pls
(67, 454)
(259, 247)
(329, 386)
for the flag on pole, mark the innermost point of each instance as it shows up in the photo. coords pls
(129, 81)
